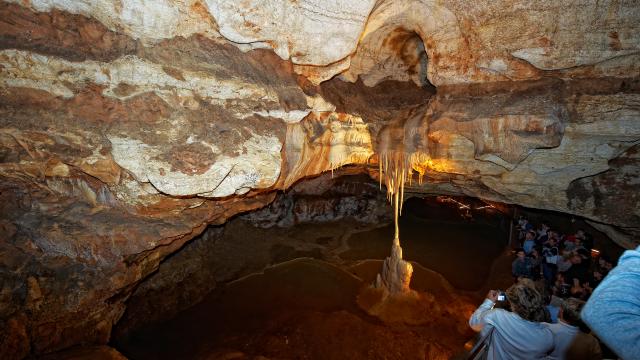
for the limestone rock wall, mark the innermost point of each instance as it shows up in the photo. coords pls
(486, 41)
(567, 146)
(127, 127)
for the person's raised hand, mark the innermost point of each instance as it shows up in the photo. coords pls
(493, 295)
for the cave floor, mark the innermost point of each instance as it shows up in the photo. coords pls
(304, 309)
(304, 306)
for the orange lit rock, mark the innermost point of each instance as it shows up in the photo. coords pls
(322, 142)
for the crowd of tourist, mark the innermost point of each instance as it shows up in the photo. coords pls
(567, 264)
(561, 292)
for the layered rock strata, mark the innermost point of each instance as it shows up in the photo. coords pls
(544, 144)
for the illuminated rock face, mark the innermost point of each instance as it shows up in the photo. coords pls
(126, 127)
(488, 41)
(558, 145)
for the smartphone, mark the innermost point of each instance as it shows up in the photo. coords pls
(501, 297)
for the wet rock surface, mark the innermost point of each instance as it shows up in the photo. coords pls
(306, 309)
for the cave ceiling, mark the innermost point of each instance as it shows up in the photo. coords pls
(127, 127)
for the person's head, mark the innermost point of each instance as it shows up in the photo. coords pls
(544, 225)
(597, 275)
(552, 241)
(570, 312)
(585, 255)
(530, 235)
(535, 252)
(578, 241)
(580, 234)
(601, 261)
(526, 301)
(575, 258)
(520, 254)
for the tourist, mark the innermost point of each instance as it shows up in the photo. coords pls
(560, 288)
(521, 266)
(570, 241)
(604, 266)
(529, 242)
(578, 244)
(613, 311)
(550, 260)
(515, 334)
(564, 262)
(596, 278)
(542, 233)
(571, 338)
(553, 308)
(577, 274)
(536, 263)
(524, 226)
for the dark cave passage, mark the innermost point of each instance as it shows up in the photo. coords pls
(315, 271)
(287, 280)
(441, 238)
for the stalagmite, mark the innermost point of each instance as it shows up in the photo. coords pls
(396, 272)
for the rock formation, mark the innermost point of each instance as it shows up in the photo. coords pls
(395, 277)
(127, 127)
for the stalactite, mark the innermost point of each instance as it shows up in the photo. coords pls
(396, 170)
(396, 272)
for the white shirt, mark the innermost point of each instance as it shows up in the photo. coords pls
(513, 337)
(563, 335)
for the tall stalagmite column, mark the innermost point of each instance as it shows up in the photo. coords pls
(396, 272)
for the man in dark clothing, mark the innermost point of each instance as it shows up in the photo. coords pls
(578, 274)
(521, 266)
(535, 259)
(542, 234)
(550, 260)
(577, 271)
